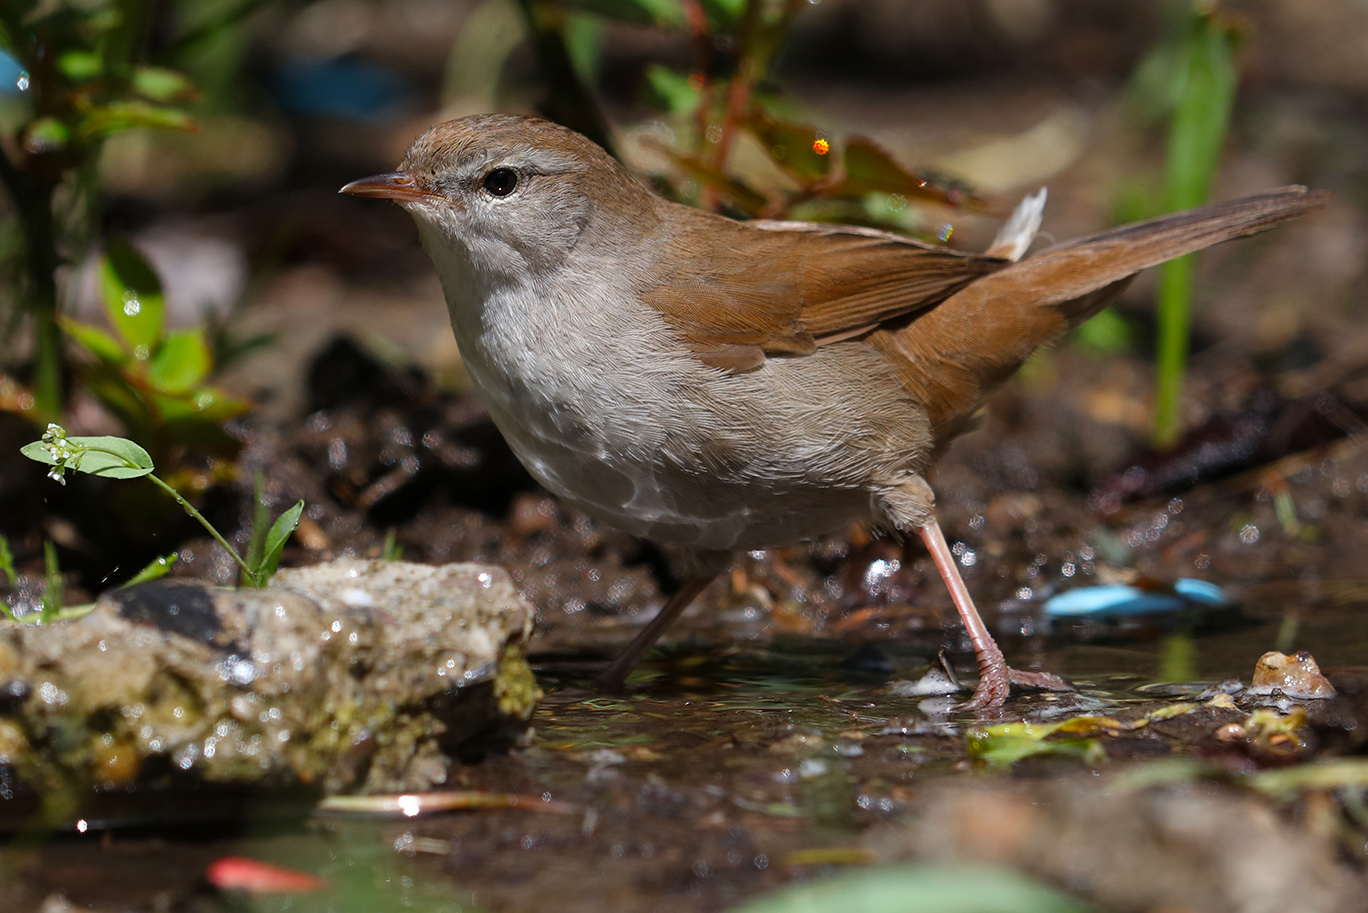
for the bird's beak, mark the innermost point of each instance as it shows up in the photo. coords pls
(397, 185)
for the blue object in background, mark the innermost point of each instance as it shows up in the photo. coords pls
(341, 87)
(10, 73)
(1115, 602)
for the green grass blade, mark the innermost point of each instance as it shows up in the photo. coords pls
(7, 562)
(1208, 79)
(275, 543)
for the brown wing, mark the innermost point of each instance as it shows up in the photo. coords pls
(784, 288)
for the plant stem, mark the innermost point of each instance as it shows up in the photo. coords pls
(32, 198)
(190, 509)
(1175, 318)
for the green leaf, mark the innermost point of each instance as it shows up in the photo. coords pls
(181, 363)
(102, 455)
(206, 405)
(94, 340)
(583, 36)
(741, 195)
(163, 85)
(1326, 774)
(391, 550)
(661, 13)
(675, 92)
(724, 15)
(132, 296)
(919, 888)
(1108, 333)
(158, 568)
(1203, 112)
(871, 168)
(106, 382)
(46, 134)
(117, 116)
(1006, 743)
(800, 149)
(275, 541)
(80, 66)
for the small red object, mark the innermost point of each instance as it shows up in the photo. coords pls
(255, 877)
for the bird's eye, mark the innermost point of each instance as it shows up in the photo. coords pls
(501, 181)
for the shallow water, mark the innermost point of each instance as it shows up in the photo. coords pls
(720, 775)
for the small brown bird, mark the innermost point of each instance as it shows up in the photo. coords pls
(723, 386)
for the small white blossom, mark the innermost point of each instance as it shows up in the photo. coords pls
(55, 442)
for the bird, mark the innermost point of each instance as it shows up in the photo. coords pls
(720, 386)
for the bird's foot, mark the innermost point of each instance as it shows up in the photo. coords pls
(997, 679)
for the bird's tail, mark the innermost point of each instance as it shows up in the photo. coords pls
(958, 351)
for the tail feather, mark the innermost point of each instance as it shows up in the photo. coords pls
(1073, 269)
(952, 355)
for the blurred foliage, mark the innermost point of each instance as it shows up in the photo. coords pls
(920, 888)
(155, 381)
(722, 99)
(89, 71)
(85, 77)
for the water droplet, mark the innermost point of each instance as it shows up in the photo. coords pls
(23, 81)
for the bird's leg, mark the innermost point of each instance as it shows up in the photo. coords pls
(995, 676)
(615, 675)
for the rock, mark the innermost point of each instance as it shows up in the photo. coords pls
(1296, 676)
(354, 675)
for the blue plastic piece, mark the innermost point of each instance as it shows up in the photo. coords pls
(341, 87)
(10, 72)
(1117, 601)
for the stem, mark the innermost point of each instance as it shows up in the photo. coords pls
(190, 509)
(738, 94)
(32, 199)
(1175, 318)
